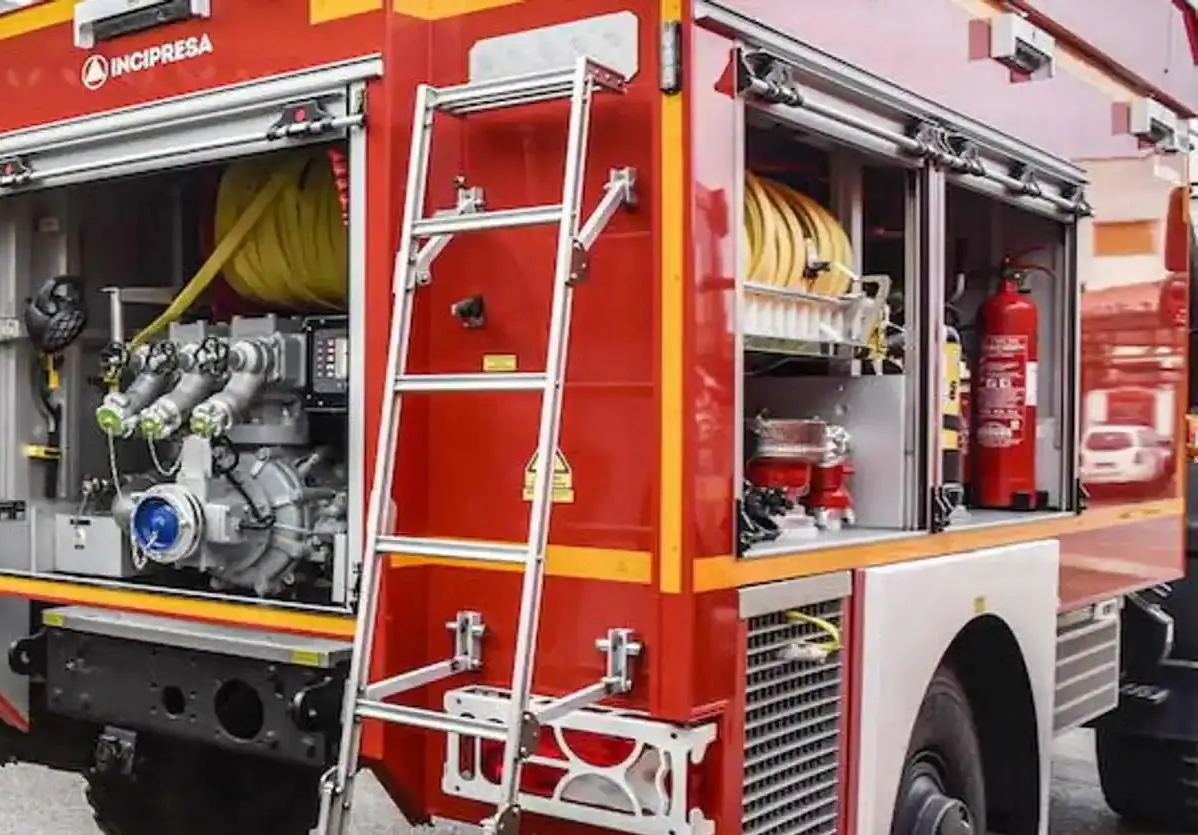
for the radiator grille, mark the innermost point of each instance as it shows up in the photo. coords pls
(792, 729)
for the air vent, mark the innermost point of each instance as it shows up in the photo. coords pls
(97, 21)
(793, 702)
(1087, 675)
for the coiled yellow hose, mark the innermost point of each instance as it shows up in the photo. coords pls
(282, 242)
(788, 235)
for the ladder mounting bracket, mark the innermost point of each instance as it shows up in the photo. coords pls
(468, 630)
(470, 201)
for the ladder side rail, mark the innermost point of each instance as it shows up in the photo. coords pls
(557, 352)
(337, 796)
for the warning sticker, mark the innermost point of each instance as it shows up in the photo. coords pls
(1001, 397)
(563, 479)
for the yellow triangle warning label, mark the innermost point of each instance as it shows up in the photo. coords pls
(563, 479)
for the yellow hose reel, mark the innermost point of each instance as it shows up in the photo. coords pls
(793, 242)
(282, 241)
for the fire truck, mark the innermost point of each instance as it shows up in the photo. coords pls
(659, 416)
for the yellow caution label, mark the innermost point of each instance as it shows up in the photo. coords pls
(980, 605)
(563, 479)
(305, 658)
(499, 362)
(52, 619)
(952, 379)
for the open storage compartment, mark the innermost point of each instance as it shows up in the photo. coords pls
(1011, 303)
(829, 252)
(190, 420)
(907, 311)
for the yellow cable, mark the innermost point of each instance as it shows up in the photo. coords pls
(830, 630)
(282, 241)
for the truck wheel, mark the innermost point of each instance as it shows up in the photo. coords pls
(943, 790)
(1147, 781)
(180, 789)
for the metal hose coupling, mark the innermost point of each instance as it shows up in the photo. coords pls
(251, 363)
(118, 412)
(165, 416)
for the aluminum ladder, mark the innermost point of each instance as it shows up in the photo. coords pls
(422, 239)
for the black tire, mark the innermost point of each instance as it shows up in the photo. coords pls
(1149, 782)
(180, 789)
(944, 750)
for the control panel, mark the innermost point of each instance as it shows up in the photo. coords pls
(328, 364)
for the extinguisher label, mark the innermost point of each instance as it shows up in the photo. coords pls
(1001, 391)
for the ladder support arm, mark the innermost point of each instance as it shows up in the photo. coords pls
(620, 191)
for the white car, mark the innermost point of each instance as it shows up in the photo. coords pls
(1116, 454)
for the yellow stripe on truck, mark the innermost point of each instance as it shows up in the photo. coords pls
(441, 9)
(671, 153)
(211, 611)
(41, 16)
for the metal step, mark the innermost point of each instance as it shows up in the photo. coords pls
(496, 381)
(453, 548)
(432, 720)
(478, 96)
(455, 224)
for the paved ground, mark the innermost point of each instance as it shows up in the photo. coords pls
(34, 801)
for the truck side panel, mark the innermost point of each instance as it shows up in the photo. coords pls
(44, 71)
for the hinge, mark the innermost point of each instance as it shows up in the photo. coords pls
(303, 117)
(1025, 181)
(940, 508)
(763, 76)
(670, 81)
(14, 171)
(1081, 205)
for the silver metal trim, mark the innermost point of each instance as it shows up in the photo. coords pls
(930, 300)
(243, 642)
(65, 152)
(790, 594)
(359, 186)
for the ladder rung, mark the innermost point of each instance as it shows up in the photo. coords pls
(493, 94)
(430, 720)
(497, 381)
(466, 549)
(486, 221)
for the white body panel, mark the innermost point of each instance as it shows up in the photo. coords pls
(912, 613)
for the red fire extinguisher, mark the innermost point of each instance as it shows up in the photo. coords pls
(1003, 464)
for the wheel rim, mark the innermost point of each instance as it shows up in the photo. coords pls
(927, 808)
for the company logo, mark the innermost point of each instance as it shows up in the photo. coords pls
(95, 72)
(98, 69)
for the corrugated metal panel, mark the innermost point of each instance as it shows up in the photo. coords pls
(792, 727)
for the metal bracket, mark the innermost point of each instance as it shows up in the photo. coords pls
(1077, 195)
(967, 158)
(941, 508)
(469, 201)
(317, 707)
(1025, 181)
(310, 118)
(14, 171)
(115, 752)
(1081, 497)
(619, 192)
(620, 646)
(507, 822)
(468, 631)
(27, 656)
(767, 77)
